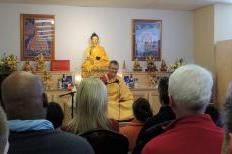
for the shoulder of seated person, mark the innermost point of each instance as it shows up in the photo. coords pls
(119, 78)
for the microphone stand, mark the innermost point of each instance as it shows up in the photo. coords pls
(72, 95)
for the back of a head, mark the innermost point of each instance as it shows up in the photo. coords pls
(4, 132)
(106, 141)
(142, 109)
(214, 114)
(91, 104)
(227, 147)
(190, 87)
(163, 91)
(23, 96)
(55, 114)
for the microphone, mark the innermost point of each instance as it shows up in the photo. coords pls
(116, 81)
(105, 81)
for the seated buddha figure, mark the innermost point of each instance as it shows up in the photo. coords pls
(40, 63)
(96, 58)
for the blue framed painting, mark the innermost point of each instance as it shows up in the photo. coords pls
(146, 39)
(37, 34)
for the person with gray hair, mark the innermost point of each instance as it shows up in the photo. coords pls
(4, 132)
(193, 132)
(26, 103)
(227, 144)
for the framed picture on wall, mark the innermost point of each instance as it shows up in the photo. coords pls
(37, 35)
(146, 39)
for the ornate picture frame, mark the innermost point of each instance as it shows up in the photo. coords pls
(146, 39)
(37, 35)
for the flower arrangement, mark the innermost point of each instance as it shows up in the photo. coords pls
(179, 62)
(8, 64)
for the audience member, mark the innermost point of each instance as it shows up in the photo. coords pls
(25, 104)
(193, 132)
(152, 126)
(165, 113)
(227, 145)
(55, 114)
(4, 132)
(91, 108)
(215, 115)
(142, 111)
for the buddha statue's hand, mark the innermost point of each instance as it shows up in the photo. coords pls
(98, 58)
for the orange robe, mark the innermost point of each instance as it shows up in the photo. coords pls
(120, 100)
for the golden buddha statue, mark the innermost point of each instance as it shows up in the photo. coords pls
(40, 63)
(27, 67)
(137, 66)
(163, 66)
(151, 66)
(96, 59)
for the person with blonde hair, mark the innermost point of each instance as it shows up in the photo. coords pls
(4, 133)
(91, 107)
(190, 89)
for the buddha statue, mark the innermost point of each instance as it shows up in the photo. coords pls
(27, 67)
(151, 66)
(40, 63)
(163, 66)
(96, 59)
(137, 66)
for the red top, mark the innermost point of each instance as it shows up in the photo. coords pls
(131, 131)
(190, 135)
(114, 125)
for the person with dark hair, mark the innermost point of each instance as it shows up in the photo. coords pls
(55, 114)
(96, 56)
(25, 104)
(164, 115)
(120, 98)
(142, 111)
(215, 115)
(227, 114)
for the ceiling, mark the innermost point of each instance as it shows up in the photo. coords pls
(140, 4)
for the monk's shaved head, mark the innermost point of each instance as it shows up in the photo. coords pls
(23, 96)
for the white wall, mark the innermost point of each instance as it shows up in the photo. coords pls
(222, 22)
(74, 25)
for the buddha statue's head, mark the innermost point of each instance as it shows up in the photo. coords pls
(94, 39)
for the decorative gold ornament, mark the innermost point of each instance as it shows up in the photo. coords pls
(27, 67)
(163, 66)
(137, 66)
(151, 66)
(40, 63)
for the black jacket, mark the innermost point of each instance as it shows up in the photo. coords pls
(48, 142)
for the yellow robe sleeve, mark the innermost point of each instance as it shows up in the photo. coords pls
(120, 100)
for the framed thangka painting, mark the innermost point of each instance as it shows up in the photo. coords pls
(37, 36)
(146, 39)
